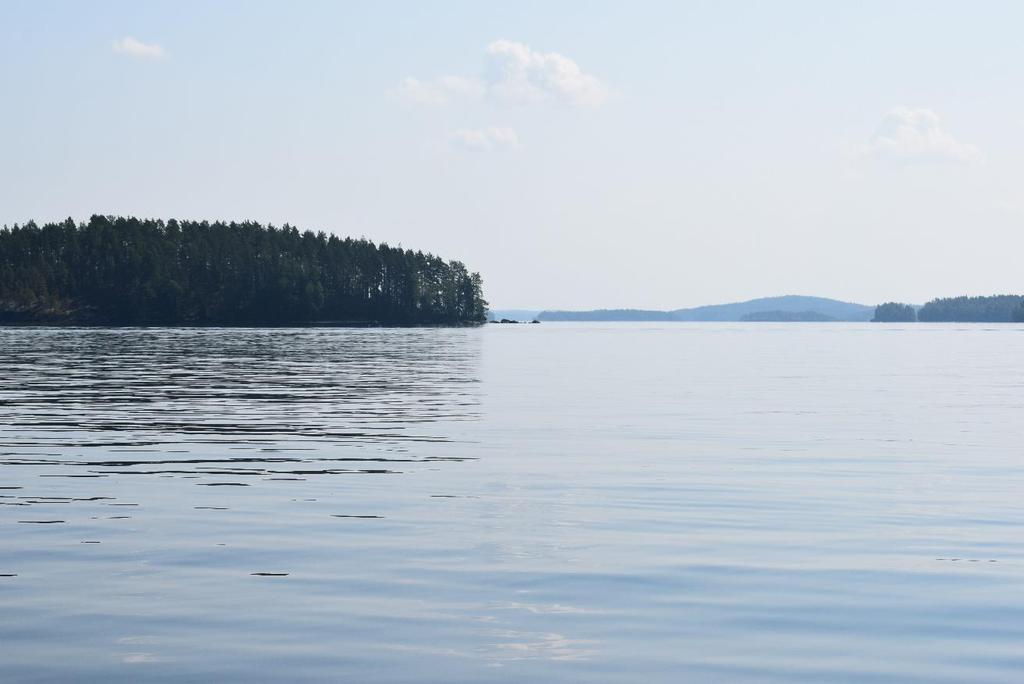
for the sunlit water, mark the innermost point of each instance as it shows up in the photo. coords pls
(556, 503)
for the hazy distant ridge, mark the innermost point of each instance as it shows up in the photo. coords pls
(776, 307)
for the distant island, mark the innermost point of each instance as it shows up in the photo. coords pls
(787, 317)
(130, 271)
(992, 309)
(785, 308)
(894, 312)
(798, 308)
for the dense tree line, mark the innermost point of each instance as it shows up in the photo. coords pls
(129, 271)
(894, 312)
(994, 309)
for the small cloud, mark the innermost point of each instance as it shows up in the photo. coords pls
(484, 139)
(917, 135)
(136, 48)
(515, 73)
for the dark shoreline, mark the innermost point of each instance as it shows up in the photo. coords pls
(306, 324)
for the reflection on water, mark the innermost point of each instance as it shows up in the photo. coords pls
(167, 403)
(165, 392)
(517, 503)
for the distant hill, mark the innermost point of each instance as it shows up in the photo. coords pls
(788, 307)
(786, 317)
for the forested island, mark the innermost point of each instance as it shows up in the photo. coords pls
(894, 312)
(130, 271)
(993, 309)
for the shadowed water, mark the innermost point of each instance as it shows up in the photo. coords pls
(564, 502)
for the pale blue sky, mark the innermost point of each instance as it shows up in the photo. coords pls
(669, 154)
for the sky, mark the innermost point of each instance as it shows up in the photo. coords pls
(577, 154)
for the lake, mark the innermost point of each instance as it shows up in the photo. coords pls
(551, 503)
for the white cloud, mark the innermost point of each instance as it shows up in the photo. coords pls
(484, 139)
(136, 48)
(520, 74)
(515, 74)
(917, 135)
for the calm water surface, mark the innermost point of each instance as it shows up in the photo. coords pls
(557, 503)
